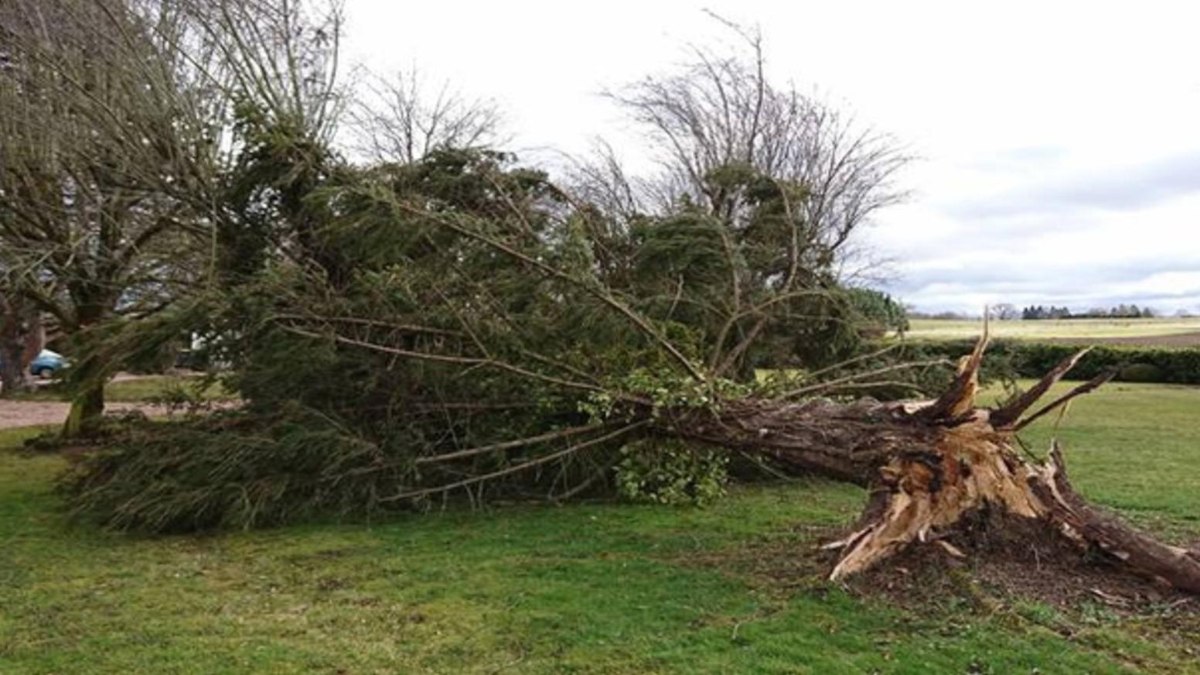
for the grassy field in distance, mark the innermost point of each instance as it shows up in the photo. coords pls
(585, 588)
(1061, 329)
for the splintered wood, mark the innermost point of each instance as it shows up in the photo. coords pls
(929, 493)
(971, 465)
(931, 466)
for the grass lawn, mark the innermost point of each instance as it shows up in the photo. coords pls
(602, 588)
(936, 329)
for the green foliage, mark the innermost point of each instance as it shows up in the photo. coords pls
(683, 250)
(225, 472)
(664, 390)
(1034, 359)
(879, 312)
(271, 195)
(668, 471)
(1141, 372)
(376, 320)
(743, 266)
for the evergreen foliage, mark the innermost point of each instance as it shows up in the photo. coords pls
(461, 325)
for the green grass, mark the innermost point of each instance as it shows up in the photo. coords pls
(601, 588)
(154, 387)
(936, 329)
(1134, 447)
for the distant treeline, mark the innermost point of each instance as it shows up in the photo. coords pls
(1116, 312)
(1008, 312)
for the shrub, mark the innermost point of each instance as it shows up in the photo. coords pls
(1034, 359)
(663, 471)
(1141, 372)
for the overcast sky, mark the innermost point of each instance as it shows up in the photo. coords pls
(1059, 141)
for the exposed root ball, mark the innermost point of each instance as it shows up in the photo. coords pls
(923, 496)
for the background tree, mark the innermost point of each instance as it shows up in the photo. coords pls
(720, 118)
(399, 119)
(1005, 311)
(126, 127)
(91, 129)
(778, 180)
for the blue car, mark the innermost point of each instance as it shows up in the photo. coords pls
(47, 364)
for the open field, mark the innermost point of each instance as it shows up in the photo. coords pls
(604, 588)
(1146, 332)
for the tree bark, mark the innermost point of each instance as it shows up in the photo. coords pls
(932, 464)
(20, 331)
(89, 373)
(87, 406)
(12, 369)
(846, 442)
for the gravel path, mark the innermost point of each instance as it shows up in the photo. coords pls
(38, 413)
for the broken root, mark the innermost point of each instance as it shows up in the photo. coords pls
(922, 496)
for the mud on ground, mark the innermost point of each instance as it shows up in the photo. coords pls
(15, 414)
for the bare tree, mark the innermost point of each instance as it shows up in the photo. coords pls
(279, 57)
(1005, 311)
(399, 119)
(721, 110)
(91, 129)
(121, 125)
(785, 179)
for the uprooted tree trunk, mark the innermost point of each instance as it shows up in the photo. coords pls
(932, 465)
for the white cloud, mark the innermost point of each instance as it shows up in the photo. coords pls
(1061, 157)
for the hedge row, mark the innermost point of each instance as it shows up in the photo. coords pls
(1034, 359)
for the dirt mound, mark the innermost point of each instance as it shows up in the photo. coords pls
(1016, 558)
(1021, 570)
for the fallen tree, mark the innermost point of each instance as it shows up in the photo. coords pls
(500, 362)
(461, 327)
(929, 466)
(932, 465)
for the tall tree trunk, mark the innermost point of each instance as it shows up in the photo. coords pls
(87, 407)
(931, 466)
(89, 374)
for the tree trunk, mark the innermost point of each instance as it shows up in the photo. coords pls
(87, 407)
(932, 464)
(89, 372)
(18, 324)
(12, 368)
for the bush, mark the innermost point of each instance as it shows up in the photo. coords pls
(1141, 372)
(1034, 359)
(664, 471)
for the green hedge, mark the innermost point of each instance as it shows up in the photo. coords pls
(1034, 359)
